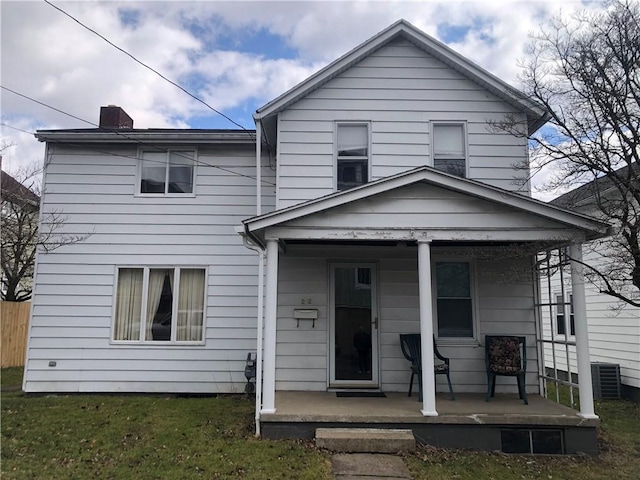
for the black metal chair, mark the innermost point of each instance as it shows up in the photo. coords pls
(505, 356)
(412, 351)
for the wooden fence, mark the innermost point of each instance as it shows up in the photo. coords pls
(15, 322)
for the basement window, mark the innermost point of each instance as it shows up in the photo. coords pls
(547, 442)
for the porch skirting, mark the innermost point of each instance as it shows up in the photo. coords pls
(468, 422)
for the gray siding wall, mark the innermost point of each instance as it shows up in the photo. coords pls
(72, 308)
(399, 89)
(302, 352)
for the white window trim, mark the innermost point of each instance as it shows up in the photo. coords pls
(465, 136)
(336, 124)
(466, 341)
(174, 312)
(567, 317)
(167, 151)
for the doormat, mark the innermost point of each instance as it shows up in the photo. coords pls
(360, 394)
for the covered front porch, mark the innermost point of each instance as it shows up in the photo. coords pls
(398, 232)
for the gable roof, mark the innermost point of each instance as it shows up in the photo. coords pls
(592, 227)
(15, 192)
(537, 115)
(578, 196)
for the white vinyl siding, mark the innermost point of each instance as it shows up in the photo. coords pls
(301, 362)
(400, 90)
(72, 309)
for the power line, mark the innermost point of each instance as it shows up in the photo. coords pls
(199, 162)
(149, 68)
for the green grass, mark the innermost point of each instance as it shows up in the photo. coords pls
(144, 437)
(618, 442)
(11, 377)
(164, 437)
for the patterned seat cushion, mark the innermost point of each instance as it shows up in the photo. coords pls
(504, 356)
(441, 367)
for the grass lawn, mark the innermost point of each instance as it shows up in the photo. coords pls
(164, 437)
(143, 437)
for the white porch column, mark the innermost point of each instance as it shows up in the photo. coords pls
(271, 308)
(426, 329)
(582, 335)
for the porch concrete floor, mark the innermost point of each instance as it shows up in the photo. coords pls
(467, 408)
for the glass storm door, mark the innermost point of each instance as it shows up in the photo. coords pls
(353, 326)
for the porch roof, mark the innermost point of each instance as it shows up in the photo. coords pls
(490, 213)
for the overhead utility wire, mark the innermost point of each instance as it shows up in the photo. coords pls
(121, 134)
(150, 68)
(121, 155)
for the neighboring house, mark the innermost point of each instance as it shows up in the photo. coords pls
(20, 207)
(385, 204)
(614, 326)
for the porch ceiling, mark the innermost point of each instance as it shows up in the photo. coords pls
(467, 409)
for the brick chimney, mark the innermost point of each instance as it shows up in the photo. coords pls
(113, 116)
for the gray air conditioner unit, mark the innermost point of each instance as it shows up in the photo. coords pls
(606, 380)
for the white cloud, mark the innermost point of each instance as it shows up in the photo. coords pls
(51, 58)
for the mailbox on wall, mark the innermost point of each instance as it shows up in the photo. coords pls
(306, 314)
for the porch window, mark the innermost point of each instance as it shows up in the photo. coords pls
(449, 148)
(159, 305)
(561, 308)
(168, 172)
(353, 155)
(454, 305)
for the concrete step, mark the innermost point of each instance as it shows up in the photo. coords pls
(365, 440)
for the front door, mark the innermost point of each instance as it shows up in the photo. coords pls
(353, 326)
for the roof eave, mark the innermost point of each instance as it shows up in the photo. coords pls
(135, 137)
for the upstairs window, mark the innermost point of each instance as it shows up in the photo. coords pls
(449, 148)
(353, 155)
(169, 172)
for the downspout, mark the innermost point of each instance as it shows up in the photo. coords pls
(260, 322)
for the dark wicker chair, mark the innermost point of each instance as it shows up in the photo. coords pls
(505, 356)
(412, 351)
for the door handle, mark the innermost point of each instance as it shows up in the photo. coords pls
(375, 323)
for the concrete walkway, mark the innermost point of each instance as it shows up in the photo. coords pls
(367, 466)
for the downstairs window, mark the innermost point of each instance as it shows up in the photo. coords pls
(160, 305)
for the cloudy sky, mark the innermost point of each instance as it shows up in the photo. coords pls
(236, 55)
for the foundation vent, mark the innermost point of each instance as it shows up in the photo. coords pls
(606, 380)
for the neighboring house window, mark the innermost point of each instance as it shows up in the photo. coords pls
(561, 308)
(170, 172)
(449, 148)
(160, 305)
(454, 303)
(353, 155)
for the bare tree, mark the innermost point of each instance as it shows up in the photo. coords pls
(23, 236)
(586, 71)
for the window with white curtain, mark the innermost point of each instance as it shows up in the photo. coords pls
(449, 148)
(160, 304)
(353, 155)
(167, 172)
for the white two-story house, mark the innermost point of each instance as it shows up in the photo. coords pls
(373, 199)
